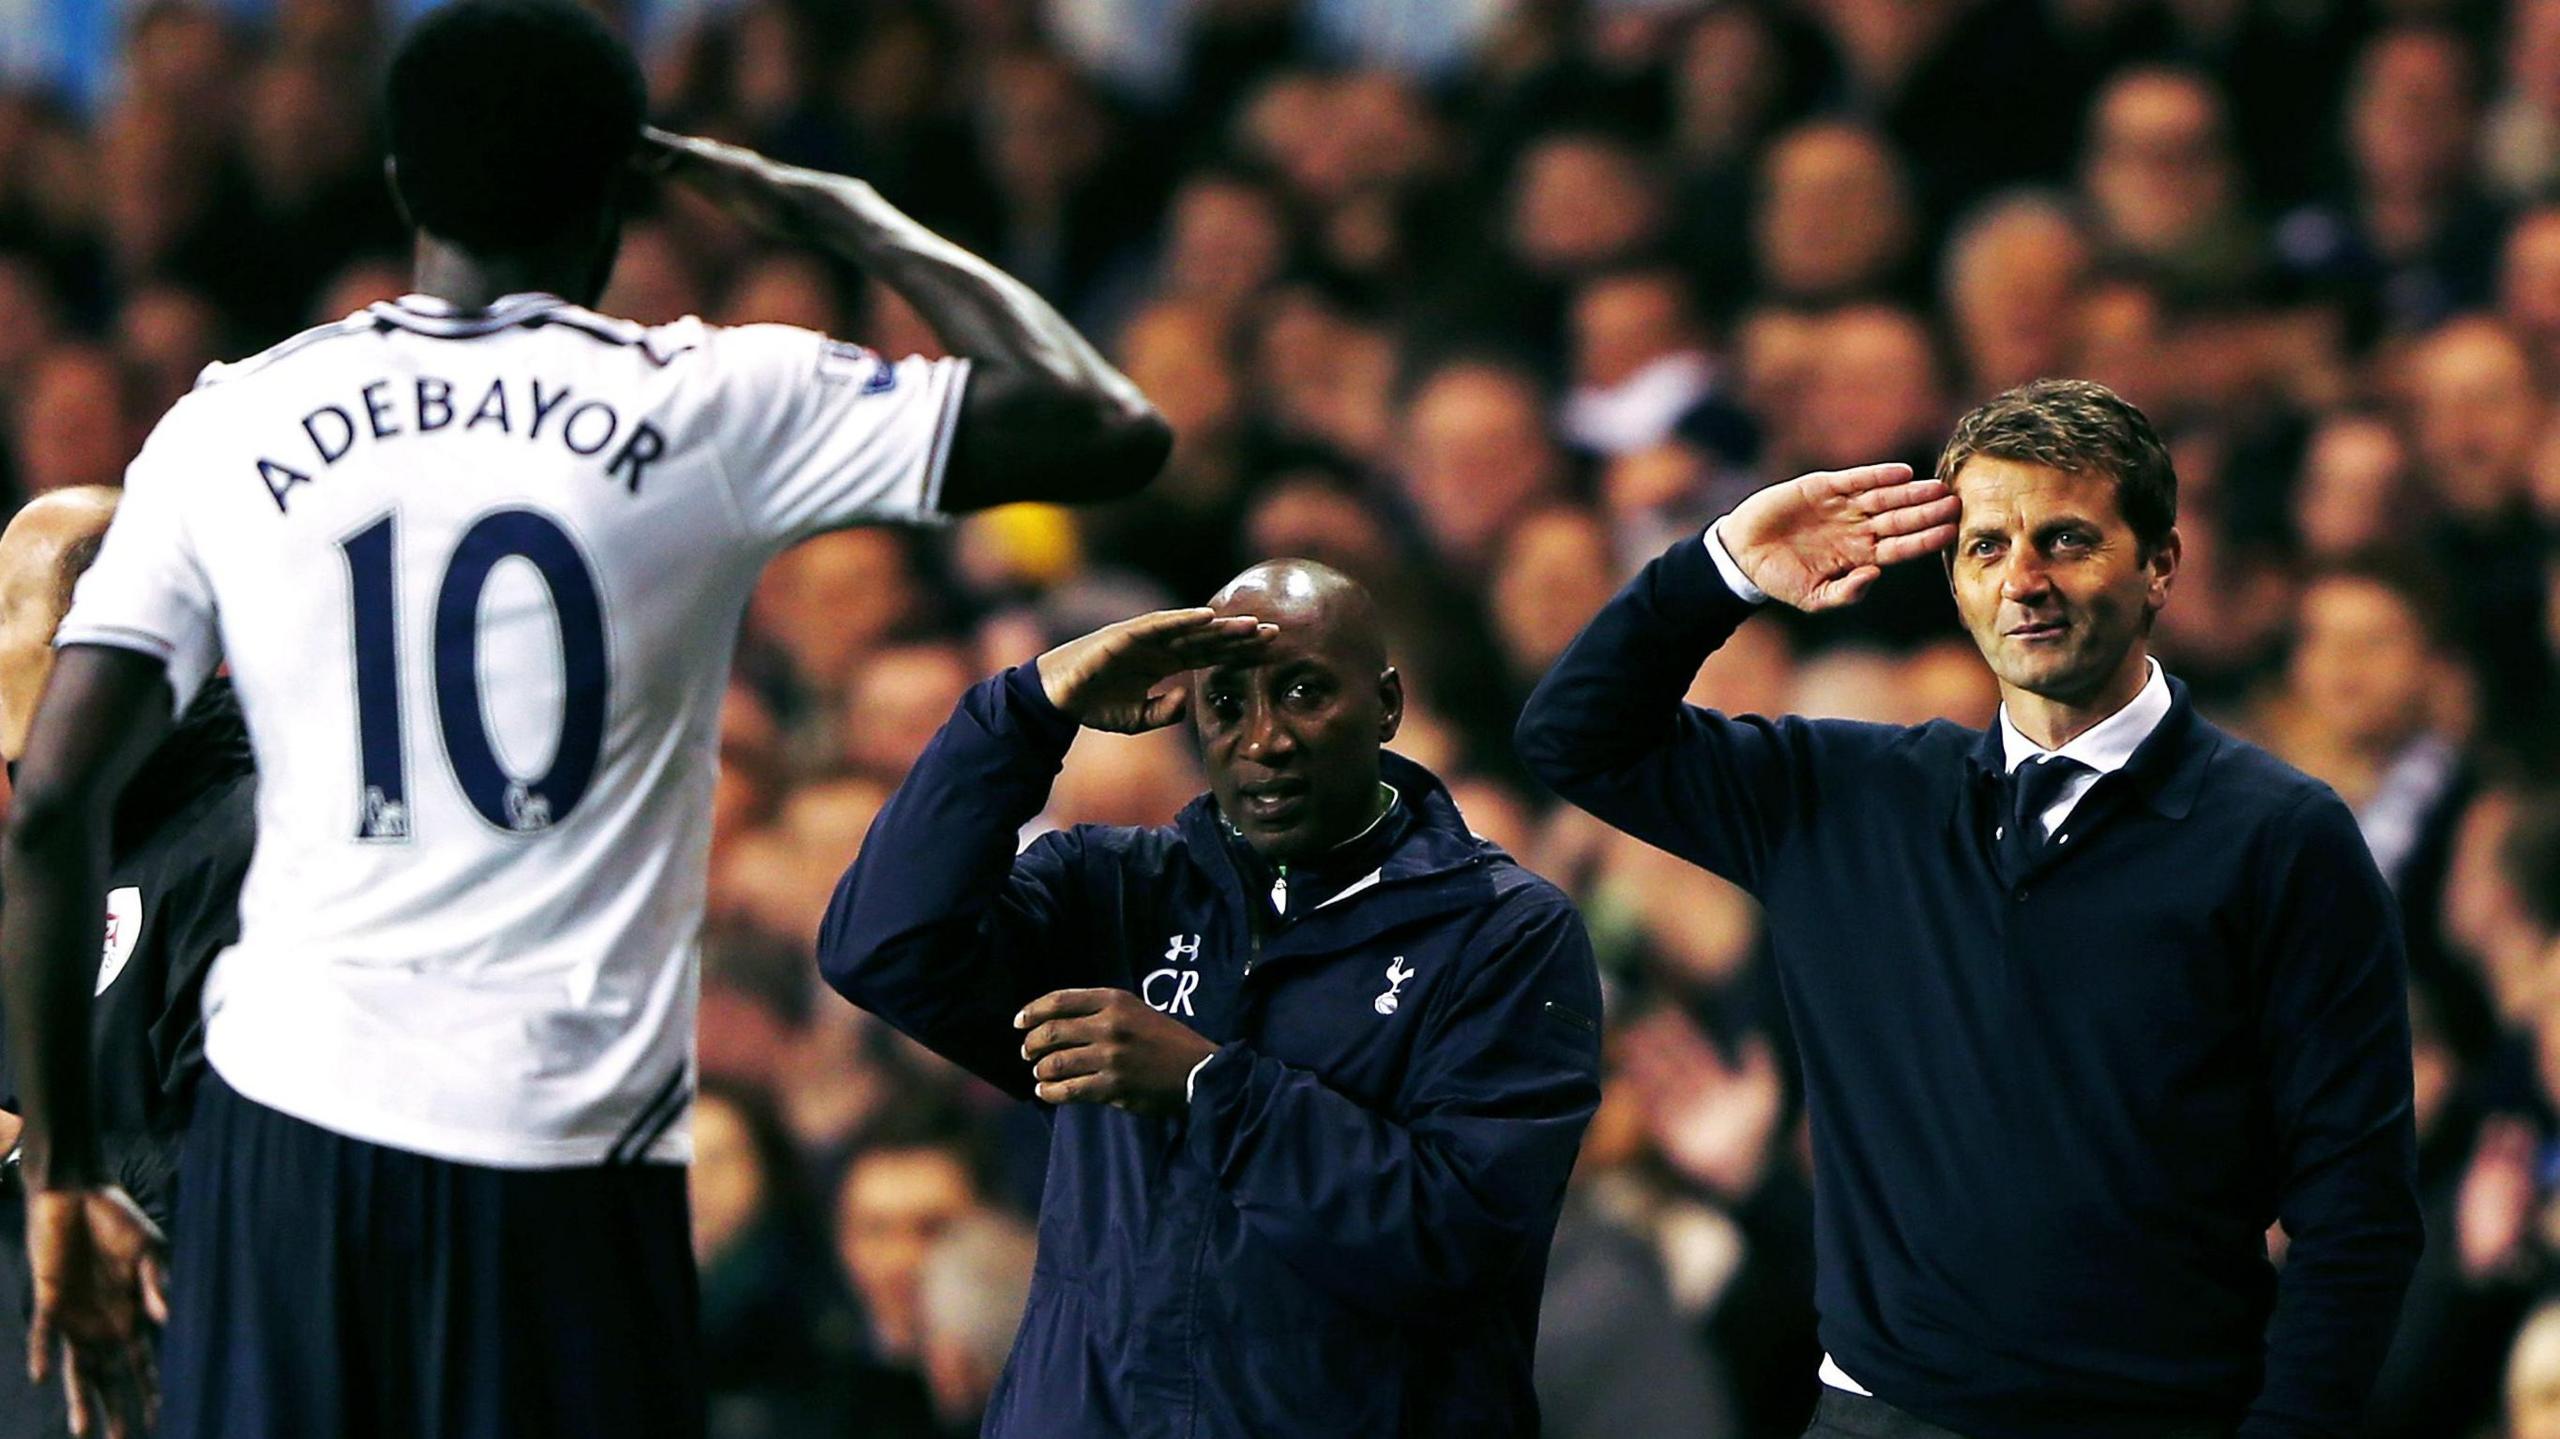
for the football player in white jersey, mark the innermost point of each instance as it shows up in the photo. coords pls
(475, 560)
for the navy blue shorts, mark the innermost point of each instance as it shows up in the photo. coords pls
(326, 1288)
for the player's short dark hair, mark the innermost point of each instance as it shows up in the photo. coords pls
(512, 122)
(2079, 427)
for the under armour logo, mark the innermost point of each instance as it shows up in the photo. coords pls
(1181, 949)
(1397, 974)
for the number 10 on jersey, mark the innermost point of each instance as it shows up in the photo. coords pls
(516, 805)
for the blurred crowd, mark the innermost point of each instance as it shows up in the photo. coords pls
(1486, 321)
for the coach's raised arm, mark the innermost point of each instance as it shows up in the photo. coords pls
(2085, 1001)
(1320, 1058)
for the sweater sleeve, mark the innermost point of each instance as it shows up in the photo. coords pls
(1406, 1213)
(2334, 1031)
(938, 927)
(1608, 729)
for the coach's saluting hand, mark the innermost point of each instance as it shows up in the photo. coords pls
(1122, 678)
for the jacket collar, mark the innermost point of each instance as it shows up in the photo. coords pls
(1421, 869)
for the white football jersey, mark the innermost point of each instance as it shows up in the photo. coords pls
(477, 576)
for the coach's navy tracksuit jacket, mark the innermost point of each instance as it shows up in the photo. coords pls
(1346, 1233)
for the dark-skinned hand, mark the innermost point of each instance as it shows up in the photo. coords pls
(99, 1290)
(1105, 1046)
(1126, 677)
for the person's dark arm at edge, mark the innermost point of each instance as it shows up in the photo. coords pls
(1043, 416)
(103, 714)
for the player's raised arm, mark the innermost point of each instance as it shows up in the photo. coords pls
(1044, 416)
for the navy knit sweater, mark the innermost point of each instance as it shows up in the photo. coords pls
(2053, 1113)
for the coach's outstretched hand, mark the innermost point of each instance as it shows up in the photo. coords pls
(1105, 1046)
(1121, 677)
(1817, 541)
(98, 1290)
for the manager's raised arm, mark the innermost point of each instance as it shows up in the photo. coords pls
(1607, 728)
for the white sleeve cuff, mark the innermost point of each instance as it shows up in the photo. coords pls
(1734, 578)
(1192, 1080)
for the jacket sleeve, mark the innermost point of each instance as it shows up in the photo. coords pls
(1607, 728)
(939, 928)
(2334, 1030)
(1405, 1214)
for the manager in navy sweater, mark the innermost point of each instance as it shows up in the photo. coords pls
(1318, 1058)
(2084, 1001)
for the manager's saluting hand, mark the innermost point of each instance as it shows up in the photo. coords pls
(1817, 542)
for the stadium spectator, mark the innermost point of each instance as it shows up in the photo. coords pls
(900, 1194)
(74, 421)
(2012, 269)
(780, 1354)
(1835, 217)
(1476, 456)
(2533, 1377)
(2354, 493)
(2520, 140)
(2529, 286)
(1581, 202)
(970, 1297)
(898, 696)
(2163, 186)
(2413, 240)
(2477, 419)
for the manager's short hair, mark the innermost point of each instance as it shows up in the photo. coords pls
(511, 122)
(2079, 427)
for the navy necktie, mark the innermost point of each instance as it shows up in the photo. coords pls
(2033, 788)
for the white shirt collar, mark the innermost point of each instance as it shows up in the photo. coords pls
(2107, 745)
(436, 305)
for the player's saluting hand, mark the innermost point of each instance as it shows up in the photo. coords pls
(1045, 416)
